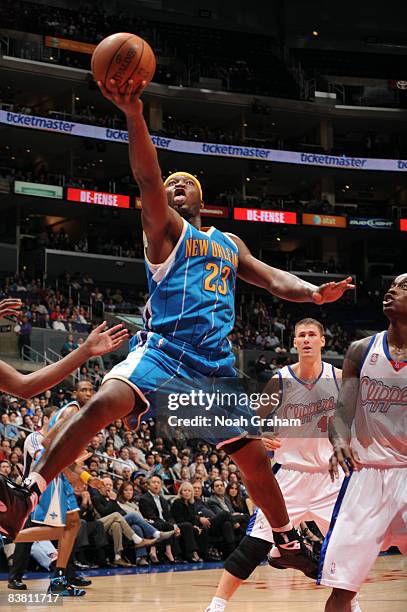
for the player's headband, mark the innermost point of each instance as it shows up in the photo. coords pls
(190, 176)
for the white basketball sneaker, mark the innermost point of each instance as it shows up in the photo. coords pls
(354, 604)
(217, 605)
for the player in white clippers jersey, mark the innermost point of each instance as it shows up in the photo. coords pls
(368, 435)
(308, 391)
(32, 449)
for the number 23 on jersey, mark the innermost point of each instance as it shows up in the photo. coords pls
(216, 278)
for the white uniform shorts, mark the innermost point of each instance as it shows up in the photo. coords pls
(309, 496)
(370, 515)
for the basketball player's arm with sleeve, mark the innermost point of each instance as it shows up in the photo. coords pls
(340, 426)
(161, 224)
(284, 284)
(97, 343)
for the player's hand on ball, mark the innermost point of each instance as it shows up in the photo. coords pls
(330, 292)
(343, 456)
(102, 340)
(10, 306)
(127, 98)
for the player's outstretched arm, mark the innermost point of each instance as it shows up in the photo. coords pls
(99, 342)
(341, 425)
(284, 284)
(158, 219)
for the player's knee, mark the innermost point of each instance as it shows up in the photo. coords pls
(246, 557)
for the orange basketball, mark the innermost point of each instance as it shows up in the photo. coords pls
(123, 57)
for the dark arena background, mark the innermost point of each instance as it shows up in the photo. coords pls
(292, 115)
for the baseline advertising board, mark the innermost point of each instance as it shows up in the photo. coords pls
(98, 197)
(39, 190)
(403, 225)
(365, 223)
(323, 220)
(266, 216)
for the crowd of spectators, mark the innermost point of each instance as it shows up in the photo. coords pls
(186, 491)
(73, 303)
(268, 326)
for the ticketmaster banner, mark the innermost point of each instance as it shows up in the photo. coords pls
(202, 148)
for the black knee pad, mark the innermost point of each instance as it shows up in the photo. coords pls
(247, 556)
(233, 447)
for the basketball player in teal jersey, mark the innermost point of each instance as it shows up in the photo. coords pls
(191, 274)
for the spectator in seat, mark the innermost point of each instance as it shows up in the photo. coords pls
(194, 537)
(156, 509)
(69, 345)
(152, 467)
(238, 501)
(263, 370)
(126, 473)
(271, 341)
(97, 375)
(198, 460)
(217, 525)
(183, 461)
(213, 461)
(140, 484)
(93, 531)
(117, 441)
(206, 482)
(115, 523)
(220, 502)
(5, 449)
(24, 335)
(124, 457)
(7, 429)
(139, 456)
(5, 468)
(58, 324)
(125, 499)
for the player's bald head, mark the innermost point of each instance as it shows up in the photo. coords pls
(400, 278)
(395, 299)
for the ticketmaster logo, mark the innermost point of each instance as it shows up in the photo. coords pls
(40, 122)
(218, 149)
(330, 160)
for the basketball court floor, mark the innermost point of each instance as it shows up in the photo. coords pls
(188, 589)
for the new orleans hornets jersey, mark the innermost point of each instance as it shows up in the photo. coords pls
(192, 293)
